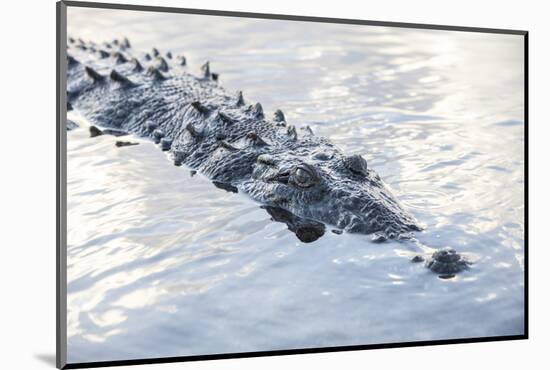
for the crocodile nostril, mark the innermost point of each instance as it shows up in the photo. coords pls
(356, 164)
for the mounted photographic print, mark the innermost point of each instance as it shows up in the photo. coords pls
(236, 184)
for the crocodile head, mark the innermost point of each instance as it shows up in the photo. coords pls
(329, 187)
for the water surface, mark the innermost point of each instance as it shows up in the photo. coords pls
(162, 263)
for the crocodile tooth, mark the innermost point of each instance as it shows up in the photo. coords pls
(126, 43)
(169, 55)
(155, 52)
(103, 54)
(147, 56)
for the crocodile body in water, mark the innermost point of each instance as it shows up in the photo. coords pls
(230, 141)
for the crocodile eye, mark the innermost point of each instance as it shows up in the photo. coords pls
(301, 176)
(305, 176)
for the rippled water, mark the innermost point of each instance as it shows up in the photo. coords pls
(162, 263)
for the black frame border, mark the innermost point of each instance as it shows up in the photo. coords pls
(61, 177)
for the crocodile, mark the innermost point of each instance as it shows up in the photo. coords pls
(298, 177)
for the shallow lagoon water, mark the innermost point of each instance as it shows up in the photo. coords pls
(162, 263)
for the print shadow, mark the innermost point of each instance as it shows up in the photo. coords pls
(46, 358)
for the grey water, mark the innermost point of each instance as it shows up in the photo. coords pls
(162, 263)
